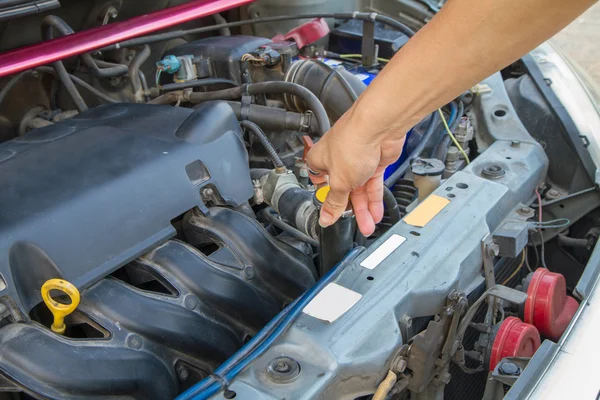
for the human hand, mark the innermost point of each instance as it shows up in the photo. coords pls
(355, 158)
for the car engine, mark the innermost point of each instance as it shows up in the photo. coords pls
(159, 228)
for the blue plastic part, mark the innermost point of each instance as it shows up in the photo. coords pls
(367, 77)
(169, 64)
(232, 367)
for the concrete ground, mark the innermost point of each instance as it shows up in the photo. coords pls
(581, 42)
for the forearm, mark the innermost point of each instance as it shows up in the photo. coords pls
(465, 43)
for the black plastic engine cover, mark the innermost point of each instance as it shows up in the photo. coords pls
(84, 197)
(219, 56)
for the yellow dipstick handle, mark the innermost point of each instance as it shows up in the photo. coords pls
(59, 310)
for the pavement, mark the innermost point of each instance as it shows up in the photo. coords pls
(580, 41)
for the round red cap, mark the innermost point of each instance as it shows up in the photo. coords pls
(548, 307)
(514, 338)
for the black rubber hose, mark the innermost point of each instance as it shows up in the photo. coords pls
(274, 119)
(52, 21)
(144, 82)
(81, 83)
(567, 241)
(134, 73)
(391, 205)
(278, 87)
(61, 71)
(252, 89)
(198, 83)
(181, 33)
(392, 179)
(267, 214)
(11, 84)
(251, 126)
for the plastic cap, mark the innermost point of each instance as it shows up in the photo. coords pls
(427, 167)
(321, 194)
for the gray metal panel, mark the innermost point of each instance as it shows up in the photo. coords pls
(349, 357)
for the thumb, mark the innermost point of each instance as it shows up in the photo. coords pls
(334, 206)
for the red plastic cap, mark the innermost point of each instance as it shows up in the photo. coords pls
(548, 307)
(306, 33)
(515, 338)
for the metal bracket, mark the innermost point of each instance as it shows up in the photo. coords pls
(489, 251)
(368, 44)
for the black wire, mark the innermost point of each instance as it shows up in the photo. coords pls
(198, 83)
(267, 214)
(81, 83)
(264, 140)
(181, 33)
(569, 196)
(542, 249)
(61, 71)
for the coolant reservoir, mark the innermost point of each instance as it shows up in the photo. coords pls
(427, 175)
(270, 8)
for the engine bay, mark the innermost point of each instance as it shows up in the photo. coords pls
(159, 234)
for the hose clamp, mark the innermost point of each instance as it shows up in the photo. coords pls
(245, 110)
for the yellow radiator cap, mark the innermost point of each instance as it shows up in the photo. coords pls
(60, 310)
(322, 192)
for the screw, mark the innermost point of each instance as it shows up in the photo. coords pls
(249, 272)
(208, 192)
(515, 143)
(493, 171)
(445, 378)
(406, 320)
(509, 368)
(552, 193)
(401, 365)
(282, 367)
(493, 249)
(524, 210)
(190, 301)
(134, 341)
(183, 373)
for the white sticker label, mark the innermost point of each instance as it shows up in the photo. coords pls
(363, 77)
(331, 62)
(383, 251)
(331, 302)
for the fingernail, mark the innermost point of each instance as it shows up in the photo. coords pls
(326, 219)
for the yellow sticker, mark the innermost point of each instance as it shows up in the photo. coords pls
(426, 211)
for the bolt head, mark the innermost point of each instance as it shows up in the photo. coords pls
(509, 368)
(401, 365)
(515, 143)
(183, 373)
(282, 367)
